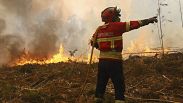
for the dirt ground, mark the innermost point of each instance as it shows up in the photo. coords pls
(148, 80)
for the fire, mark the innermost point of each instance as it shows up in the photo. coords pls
(142, 50)
(94, 57)
(137, 47)
(26, 58)
(60, 57)
(134, 49)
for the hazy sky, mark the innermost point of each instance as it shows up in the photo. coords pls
(90, 10)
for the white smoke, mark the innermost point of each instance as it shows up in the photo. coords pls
(39, 27)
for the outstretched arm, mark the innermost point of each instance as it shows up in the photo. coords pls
(137, 24)
(150, 20)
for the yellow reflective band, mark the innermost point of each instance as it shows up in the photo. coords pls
(109, 39)
(127, 26)
(111, 55)
(112, 44)
(140, 22)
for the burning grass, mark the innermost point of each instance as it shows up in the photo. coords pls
(148, 79)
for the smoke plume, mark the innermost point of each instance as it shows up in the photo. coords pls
(23, 28)
(39, 27)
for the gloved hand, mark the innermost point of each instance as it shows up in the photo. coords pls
(153, 19)
(95, 45)
(150, 20)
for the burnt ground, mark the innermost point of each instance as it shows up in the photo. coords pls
(148, 80)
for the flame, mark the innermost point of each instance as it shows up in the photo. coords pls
(136, 47)
(26, 58)
(140, 49)
(94, 58)
(59, 57)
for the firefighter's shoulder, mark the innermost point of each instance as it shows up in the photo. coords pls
(104, 25)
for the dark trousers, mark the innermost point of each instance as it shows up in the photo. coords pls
(114, 70)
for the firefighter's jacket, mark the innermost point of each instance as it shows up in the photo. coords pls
(109, 38)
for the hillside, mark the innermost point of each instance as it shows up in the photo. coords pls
(148, 80)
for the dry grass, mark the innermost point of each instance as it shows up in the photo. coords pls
(146, 78)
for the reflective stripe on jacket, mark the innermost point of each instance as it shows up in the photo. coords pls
(110, 55)
(109, 38)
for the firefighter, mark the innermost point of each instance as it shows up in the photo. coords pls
(108, 40)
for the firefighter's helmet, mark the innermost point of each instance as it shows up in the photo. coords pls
(110, 14)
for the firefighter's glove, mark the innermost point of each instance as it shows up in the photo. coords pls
(95, 44)
(153, 19)
(150, 20)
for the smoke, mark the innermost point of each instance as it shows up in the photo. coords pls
(75, 34)
(19, 7)
(10, 45)
(39, 27)
(24, 27)
(45, 39)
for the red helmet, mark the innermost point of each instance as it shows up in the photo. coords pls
(109, 14)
